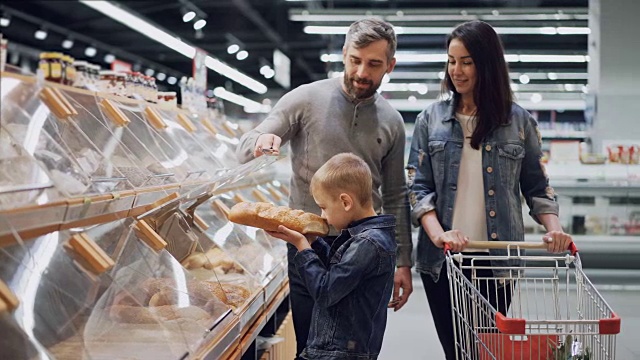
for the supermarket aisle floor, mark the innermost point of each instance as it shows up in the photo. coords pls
(410, 332)
(411, 335)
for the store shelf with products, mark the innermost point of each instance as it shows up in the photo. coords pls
(135, 256)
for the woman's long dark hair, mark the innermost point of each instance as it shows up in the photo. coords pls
(492, 94)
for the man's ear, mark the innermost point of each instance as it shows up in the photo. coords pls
(391, 66)
(347, 201)
(344, 55)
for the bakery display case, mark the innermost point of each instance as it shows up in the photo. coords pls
(105, 293)
(113, 242)
(253, 253)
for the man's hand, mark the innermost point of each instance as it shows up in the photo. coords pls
(267, 142)
(292, 237)
(401, 280)
(557, 241)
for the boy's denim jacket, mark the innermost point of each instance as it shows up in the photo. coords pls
(351, 283)
(510, 161)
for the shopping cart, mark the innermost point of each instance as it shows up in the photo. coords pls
(543, 308)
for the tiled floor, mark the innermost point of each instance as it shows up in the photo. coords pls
(411, 335)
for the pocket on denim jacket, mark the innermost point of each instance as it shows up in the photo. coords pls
(437, 155)
(510, 161)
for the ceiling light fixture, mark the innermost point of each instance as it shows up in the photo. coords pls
(40, 34)
(188, 16)
(128, 19)
(90, 51)
(109, 58)
(436, 30)
(149, 72)
(249, 105)
(199, 24)
(242, 54)
(536, 98)
(5, 20)
(444, 15)
(269, 73)
(161, 76)
(436, 58)
(67, 44)
(233, 48)
(172, 80)
(524, 79)
(235, 75)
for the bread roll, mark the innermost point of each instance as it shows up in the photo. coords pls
(268, 216)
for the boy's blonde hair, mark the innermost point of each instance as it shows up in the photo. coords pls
(345, 172)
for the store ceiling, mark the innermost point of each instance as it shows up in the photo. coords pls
(264, 25)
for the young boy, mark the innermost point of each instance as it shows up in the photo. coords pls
(351, 281)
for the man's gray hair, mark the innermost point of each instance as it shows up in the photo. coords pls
(366, 31)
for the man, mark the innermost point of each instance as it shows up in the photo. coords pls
(333, 116)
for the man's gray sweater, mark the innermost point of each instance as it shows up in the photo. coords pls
(321, 120)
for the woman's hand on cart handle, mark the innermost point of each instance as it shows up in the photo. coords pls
(452, 240)
(558, 241)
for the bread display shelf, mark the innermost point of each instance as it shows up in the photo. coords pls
(222, 344)
(94, 249)
(106, 154)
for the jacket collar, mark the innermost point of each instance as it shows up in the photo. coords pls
(374, 222)
(449, 112)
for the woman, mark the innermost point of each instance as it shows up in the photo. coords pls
(470, 157)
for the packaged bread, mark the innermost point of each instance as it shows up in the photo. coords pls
(268, 217)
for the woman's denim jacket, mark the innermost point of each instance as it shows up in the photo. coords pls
(510, 163)
(351, 283)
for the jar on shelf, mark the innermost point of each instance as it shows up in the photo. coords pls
(171, 98)
(121, 84)
(51, 66)
(69, 70)
(81, 73)
(145, 88)
(153, 90)
(130, 84)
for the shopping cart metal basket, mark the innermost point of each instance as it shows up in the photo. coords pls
(543, 307)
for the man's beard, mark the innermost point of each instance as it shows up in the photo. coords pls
(360, 93)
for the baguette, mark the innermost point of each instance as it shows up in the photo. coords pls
(268, 217)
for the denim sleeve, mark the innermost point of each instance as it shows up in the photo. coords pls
(422, 188)
(534, 182)
(360, 259)
(322, 250)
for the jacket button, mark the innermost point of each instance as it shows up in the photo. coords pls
(488, 147)
(491, 192)
(492, 213)
(454, 187)
(494, 236)
(489, 169)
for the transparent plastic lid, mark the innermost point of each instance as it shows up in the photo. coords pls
(146, 306)
(202, 258)
(167, 156)
(24, 180)
(75, 163)
(200, 154)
